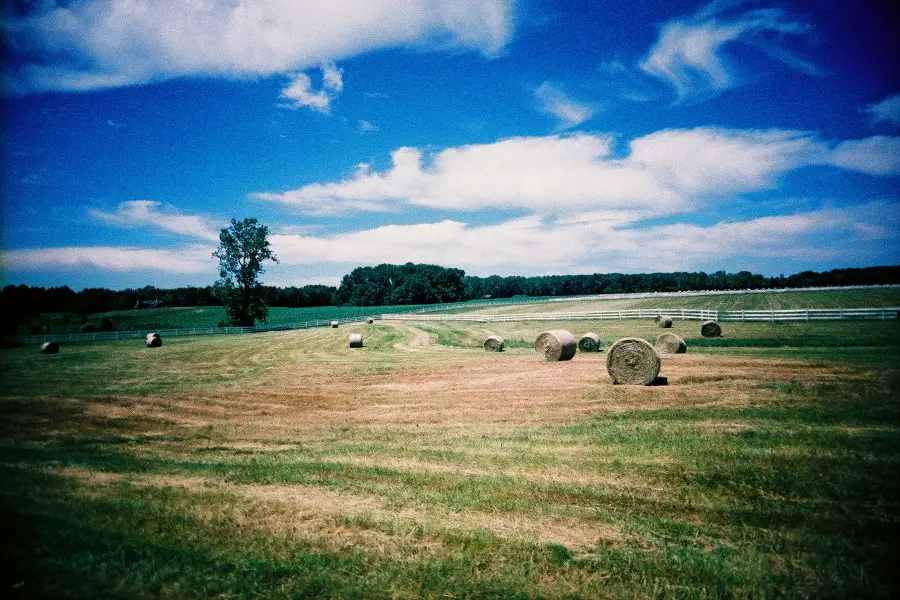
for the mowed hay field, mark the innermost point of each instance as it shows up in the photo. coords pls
(289, 465)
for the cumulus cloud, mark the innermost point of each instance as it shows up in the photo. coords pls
(886, 111)
(147, 213)
(300, 93)
(555, 102)
(595, 242)
(691, 55)
(120, 259)
(666, 172)
(91, 44)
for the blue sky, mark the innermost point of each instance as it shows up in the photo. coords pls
(500, 137)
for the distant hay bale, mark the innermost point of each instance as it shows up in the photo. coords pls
(355, 340)
(153, 340)
(494, 343)
(50, 348)
(370, 320)
(556, 345)
(664, 321)
(633, 361)
(669, 343)
(590, 342)
(710, 329)
(334, 324)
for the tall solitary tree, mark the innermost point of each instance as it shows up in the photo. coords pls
(243, 246)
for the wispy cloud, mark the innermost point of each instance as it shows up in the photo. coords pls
(886, 111)
(120, 259)
(147, 213)
(860, 235)
(691, 54)
(300, 93)
(666, 172)
(98, 43)
(366, 126)
(555, 102)
(877, 155)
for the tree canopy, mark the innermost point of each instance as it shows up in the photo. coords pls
(243, 246)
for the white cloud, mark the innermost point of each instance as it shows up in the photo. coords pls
(877, 155)
(94, 44)
(535, 245)
(146, 213)
(300, 93)
(691, 57)
(888, 110)
(366, 126)
(556, 103)
(667, 172)
(589, 242)
(193, 260)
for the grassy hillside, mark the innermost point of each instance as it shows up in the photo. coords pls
(289, 465)
(866, 298)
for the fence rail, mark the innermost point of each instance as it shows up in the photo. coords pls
(693, 314)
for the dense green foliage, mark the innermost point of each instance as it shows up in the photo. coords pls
(620, 283)
(243, 247)
(401, 284)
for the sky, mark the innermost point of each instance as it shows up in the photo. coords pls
(509, 137)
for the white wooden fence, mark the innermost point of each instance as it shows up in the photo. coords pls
(693, 314)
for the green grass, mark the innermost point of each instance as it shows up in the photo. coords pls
(772, 485)
(863, 298)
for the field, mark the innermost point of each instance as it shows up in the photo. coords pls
(861, 298)
(289, 465)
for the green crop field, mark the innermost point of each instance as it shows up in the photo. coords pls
(286, 464)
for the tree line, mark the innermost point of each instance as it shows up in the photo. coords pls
(385, 285)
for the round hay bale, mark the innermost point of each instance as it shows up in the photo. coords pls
(494, 344)
(556, 345)
(664, 321)
(669, 343)
(334, 324)
(355, 340)
(633, 361)
(153, 340)
(710, 329)
(590, 342)
(370, 320)
(50, 348)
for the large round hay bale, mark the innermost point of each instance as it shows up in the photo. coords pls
(556, 345)
(669, 343)
(355, 340)
(334, 324)
(494, 343)
(153, 340)
(664, 321)
(710, 329)
(370, 320)
(590, 342)
(633, 361)
(50, 348)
